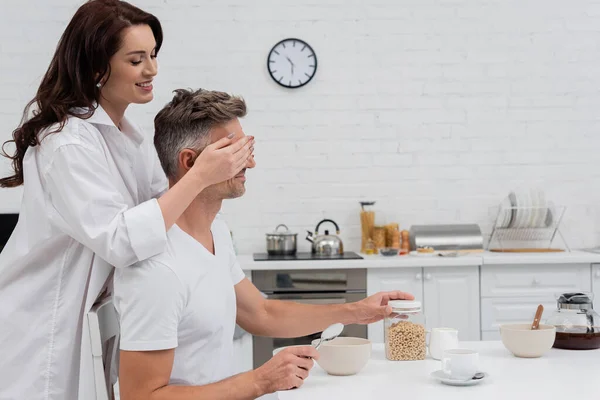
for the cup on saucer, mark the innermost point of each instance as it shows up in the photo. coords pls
(459, 368)
(460, 364)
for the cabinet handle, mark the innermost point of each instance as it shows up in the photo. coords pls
(536, 282)
(428, 277)
(418, 277)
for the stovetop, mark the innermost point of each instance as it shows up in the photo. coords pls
(348, 255)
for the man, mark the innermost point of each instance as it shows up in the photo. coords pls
(178, 310)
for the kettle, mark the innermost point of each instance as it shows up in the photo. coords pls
(326, 245)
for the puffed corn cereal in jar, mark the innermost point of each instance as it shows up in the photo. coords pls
(405, 331)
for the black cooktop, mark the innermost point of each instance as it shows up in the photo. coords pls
(348, 255)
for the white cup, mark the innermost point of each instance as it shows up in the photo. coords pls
(460, 363)
(442, 339)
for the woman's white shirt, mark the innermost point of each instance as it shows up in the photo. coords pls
(89, 204)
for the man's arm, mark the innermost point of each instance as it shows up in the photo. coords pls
(276, 318)
(144, 375)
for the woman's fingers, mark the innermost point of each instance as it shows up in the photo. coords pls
(223, 142)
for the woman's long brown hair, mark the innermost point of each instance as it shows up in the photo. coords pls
(80, 61)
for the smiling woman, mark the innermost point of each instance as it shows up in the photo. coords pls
(132, 69)
(95, 197)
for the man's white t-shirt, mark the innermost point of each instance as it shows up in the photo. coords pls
(183, 299)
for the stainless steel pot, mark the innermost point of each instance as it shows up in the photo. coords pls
(281, 243)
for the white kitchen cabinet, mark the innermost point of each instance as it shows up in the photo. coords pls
(451, 299)
(596, 286)
(511, 293)
(405, 279)
(521, 310)
(450, 296)
(491, 335)
(542, 281)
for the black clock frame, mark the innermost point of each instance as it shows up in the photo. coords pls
(302, 42)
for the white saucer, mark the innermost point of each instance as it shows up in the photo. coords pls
(442, 377)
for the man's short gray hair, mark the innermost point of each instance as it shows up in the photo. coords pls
(186, 121)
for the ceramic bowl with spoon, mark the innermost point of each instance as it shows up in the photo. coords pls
(528, 340)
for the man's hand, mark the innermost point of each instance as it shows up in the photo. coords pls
(374, 308)
(286, 370)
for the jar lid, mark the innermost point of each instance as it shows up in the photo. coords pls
(407, 305)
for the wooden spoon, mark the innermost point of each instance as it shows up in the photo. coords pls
(537, 318)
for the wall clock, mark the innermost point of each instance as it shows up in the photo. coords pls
(292, 63)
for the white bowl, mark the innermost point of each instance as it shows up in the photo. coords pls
(520, 340)
(344, 355)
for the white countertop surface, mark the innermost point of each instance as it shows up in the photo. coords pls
(407, 261)
(559, 374)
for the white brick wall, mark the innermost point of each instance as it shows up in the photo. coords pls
(433, 108)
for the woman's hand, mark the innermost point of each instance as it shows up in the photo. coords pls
(223, 159)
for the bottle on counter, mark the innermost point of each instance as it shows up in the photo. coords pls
(379, 237)
(390, 231)
(395, 238)
(405, 246)
(370, 248)
(367, 223)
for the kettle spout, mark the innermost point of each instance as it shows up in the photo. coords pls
(309, 237)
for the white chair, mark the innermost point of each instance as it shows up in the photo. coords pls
(104, 336)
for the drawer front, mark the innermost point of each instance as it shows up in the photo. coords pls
(534, 280)
(495, 312)
(490, 335)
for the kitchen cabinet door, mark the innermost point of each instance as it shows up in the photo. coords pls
(491, 335)
(596, 286)
(384, 279)
(519, 310)
(533, 280)
(451, 297)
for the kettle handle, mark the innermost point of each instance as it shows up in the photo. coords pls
(337, 228)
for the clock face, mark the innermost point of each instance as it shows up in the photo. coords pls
(292, 63)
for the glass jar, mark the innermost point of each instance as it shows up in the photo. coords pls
(577, 324)
(404, 331)
(367, 223)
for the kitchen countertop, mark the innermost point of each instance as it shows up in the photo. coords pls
(378, 261)
(559, 374)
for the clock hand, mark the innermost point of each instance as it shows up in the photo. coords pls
(289, 60)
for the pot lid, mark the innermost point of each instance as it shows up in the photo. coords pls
(575, 300)
(285, 232)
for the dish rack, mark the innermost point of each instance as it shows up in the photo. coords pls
(527, 229)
